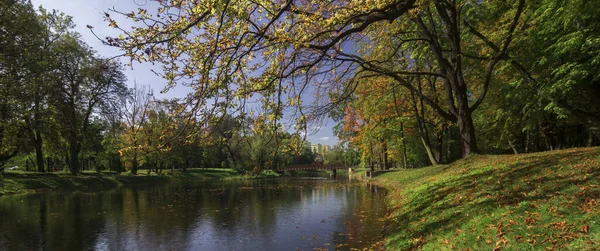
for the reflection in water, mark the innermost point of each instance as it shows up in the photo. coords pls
(281, 214)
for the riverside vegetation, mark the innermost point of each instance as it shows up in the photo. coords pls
(489, 108)
(28, 182)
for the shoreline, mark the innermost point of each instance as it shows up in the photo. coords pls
(26, 183)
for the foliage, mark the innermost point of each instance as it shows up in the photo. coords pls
(403, 89)
(19, 35)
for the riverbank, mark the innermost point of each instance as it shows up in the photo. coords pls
(540, 201)
(30, 182)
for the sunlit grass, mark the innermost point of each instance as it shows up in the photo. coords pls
(538, 201)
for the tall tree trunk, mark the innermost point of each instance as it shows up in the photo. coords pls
(74, 159)
(134, 164)
(39, 154)
(527, 139)
(449, 144)
(385, 154)
(512, 145)
(421, 125)
(49, 165)
(36, 134)
(466, 126)
(451, 66)
(404, 161)
(429, 151)
(439, 142)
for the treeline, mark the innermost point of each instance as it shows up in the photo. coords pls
(158, 134)
(56, 93)
(63, 106)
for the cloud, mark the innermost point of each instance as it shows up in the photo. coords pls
(324, 138)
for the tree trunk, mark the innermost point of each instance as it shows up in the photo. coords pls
(512, 145)
(38, 135)
(385, 155)
(527, 138)
(404, 161)
(439, 142)
(134, 165)
(449, 140)
(74, 159)
(429, 151)
(48, 165)
(39, 154)
(466, 129)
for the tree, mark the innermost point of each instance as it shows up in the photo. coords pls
(37, 108)
(135, 116)
(20, 39)
(336, 156)
(290, 45)
(86, 87)
(560, 58)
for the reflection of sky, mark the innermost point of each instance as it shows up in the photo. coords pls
(90, 12)
(247, 215)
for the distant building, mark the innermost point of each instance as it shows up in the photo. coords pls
(320, 149)
(326, 149)
(314, 148)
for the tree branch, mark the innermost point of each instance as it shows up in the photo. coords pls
(500, 54)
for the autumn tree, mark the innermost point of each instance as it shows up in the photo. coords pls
(135, 117)
(231, 50)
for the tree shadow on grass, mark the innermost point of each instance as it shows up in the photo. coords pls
(446, 204)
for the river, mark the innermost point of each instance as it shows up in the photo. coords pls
(275, 214)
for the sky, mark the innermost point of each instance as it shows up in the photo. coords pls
(91, 12)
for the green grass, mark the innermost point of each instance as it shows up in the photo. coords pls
(14, 182)
(220, 173)
(541, 201)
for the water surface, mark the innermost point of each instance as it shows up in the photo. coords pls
(278, 214)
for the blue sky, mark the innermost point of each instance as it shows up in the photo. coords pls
(90, 12)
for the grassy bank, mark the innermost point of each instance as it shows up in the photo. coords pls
(29, 182)
(541, 201)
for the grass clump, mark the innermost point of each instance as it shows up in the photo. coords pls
(541, 201)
